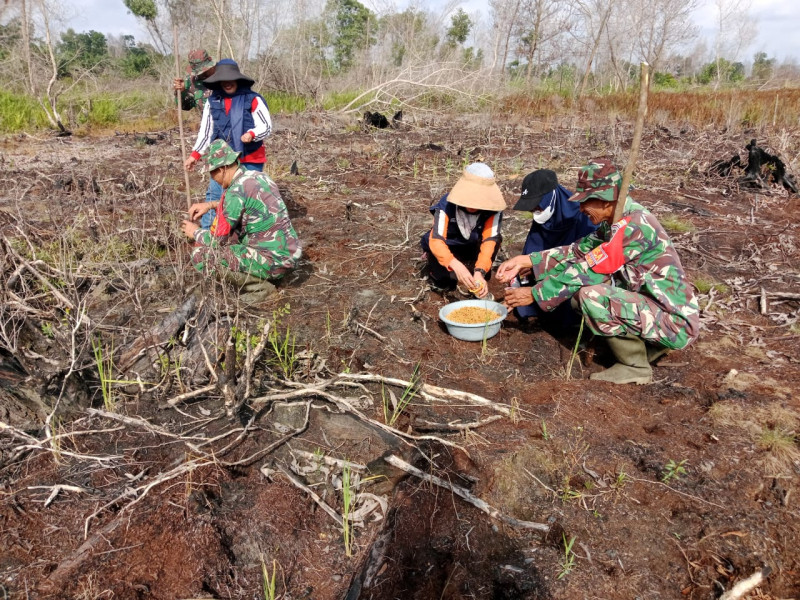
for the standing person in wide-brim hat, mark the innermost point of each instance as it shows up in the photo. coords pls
(465, 237)
(236, 114)
(556, 222)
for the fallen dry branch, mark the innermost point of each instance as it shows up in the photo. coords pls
(328, 460)
(300, 393)
(745, 586)
(680, 493)
(277, 444)
(35, 444)
(343, 404)
(140, 492)
(56, 490)
(777, 295)
(456, 426)
(300, 485)
(431, 393)
(192, 394)
(465, 495)
(68, 567)
(158, 335)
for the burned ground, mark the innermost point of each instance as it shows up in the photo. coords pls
(676, 489)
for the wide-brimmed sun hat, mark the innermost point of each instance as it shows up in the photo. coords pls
(534, 187)
(219, 154)
(477, 188)
(599, 179)
(226, 70)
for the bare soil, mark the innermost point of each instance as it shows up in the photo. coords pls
(677, 489)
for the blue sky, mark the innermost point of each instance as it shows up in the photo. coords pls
(778, 21)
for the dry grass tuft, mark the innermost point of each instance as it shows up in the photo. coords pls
(702, 108)
(771, 428)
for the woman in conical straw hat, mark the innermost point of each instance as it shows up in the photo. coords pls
(465, 237)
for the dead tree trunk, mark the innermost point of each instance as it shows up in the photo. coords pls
(595, 45)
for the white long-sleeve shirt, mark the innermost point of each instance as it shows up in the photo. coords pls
(262, 128)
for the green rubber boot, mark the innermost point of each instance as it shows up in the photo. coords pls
(632, 364)
(655, 352)
(251, 290)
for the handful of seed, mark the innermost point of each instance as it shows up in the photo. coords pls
(477, 289)
(472, 315)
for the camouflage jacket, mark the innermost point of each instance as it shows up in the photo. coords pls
(252, 213)
(635, 253)
(194, 93)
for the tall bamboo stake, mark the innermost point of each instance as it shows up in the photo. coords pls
(180, 116)
(644, 83)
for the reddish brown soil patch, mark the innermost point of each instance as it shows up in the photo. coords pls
(586, 459)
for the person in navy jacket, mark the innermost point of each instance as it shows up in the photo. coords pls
(556, 222)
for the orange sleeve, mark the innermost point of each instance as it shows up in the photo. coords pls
(437, 242)
(489, 238)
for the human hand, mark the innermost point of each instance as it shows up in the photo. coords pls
(462, 273)
(188, 164)
(179, 84)
(198, 209)
(248, 137)
(509, 269)
(520, 296)
(481, 289)
(189, 228)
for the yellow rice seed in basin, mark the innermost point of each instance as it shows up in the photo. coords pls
(472, 315)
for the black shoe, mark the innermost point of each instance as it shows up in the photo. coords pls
(440, 289)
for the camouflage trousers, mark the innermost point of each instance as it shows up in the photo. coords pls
(237, 257)
(612, 312)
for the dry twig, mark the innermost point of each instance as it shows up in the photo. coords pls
(466, 495)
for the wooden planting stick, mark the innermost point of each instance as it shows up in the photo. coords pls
(644, 83)
(180, 116)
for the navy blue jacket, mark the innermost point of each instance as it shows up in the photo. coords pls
(567, 225)
(231, 126)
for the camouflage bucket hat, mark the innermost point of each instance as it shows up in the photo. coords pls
(199, 61)
(219, 154)
(599, 179)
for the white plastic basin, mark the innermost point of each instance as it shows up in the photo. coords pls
(473, 332)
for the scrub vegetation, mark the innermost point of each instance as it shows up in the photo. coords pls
(157, 401)
(160, 438)
(338, 55)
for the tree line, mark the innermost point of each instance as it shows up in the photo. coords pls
(313, 47)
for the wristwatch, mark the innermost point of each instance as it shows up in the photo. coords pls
(481, 271)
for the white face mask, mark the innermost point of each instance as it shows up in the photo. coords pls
(543, 216)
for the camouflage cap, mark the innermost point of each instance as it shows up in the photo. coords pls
(219, 154)
(199, 61)
(599, 179)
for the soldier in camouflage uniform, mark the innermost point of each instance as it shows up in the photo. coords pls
(625, 278)
(193, 91)
(252, 241)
